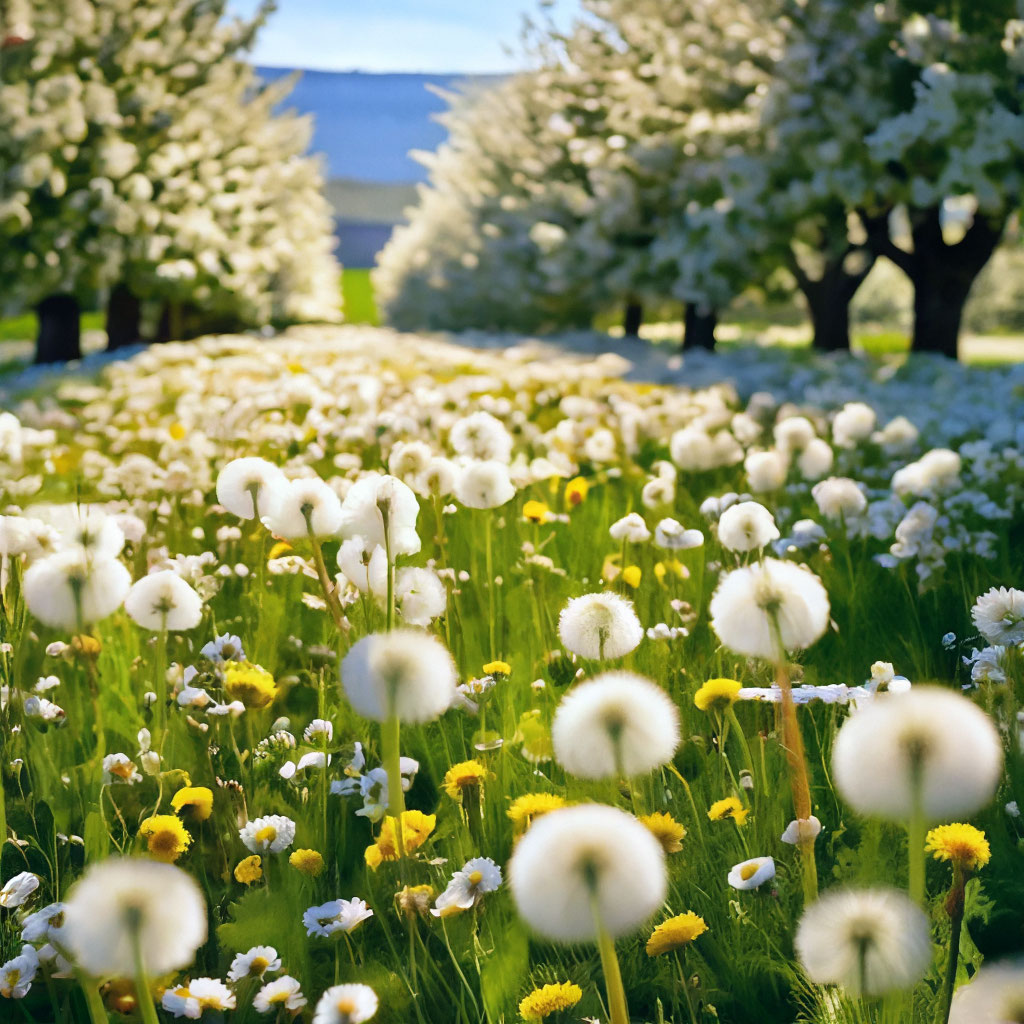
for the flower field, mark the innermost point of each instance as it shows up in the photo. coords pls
(351, 675)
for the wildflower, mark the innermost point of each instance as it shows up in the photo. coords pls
(17, 890)
(17, 975)
(632, 575)
(281, 993)
(671, 536)
(346, 1004)
(382, 511)
(414, 901)
(305, 506)
(124, 906)
(580, 861)
(930, 734)
(630, 528)
(853, 424)
(468, 886)
(199, 995)
(249, 870)
(675, 933)
(465, 774)
(403, 673)
(750, 874)
(542, 1002)
(525, 809)
(193, 802)
(999, 616)
(420, 595)
(869, 941)
(717, 695)
(254, 963)
(309, 862)
(166, 837)
(576, 491)
(163, 601)
(416, 829)
(801, 830)
(729, 809)
(665, 829)
(484, 484)
(44, 924)
(536, 512)
(270, 834)
(993, 996)
(336, 916)
(120, 768)
(69, 589)
(481, 436)
(963, 845)
(747, 526)
(839, 497)
(252, 685)
(225, 647)
(497, 668)
(250, 487)
(616, 723)
(599, 626)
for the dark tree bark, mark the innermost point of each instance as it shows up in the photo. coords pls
(699, 326)
(123, 313)
(942, 274)
(632, 318)
(60, 333)
(829, 297)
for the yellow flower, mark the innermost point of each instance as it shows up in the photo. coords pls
(177, 431)
(717, 694)
(497, 668)
(166, 837)
(666, 830)
(675, 932)
(729, 808)
(964, 845)
(536, 512)
(631, 576)
(309, 862)
(86, 646)
(415, 900)
(673, 565)
(249, 870)
(416, 827)
(525, 808)
(462, 775)
(576, 490)
(282, 547)
(542, 1002)
(252, 685)
(195, 801)
(535, 737)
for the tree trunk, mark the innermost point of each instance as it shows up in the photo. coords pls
(168, 327)
(632, 318)
(828, 300)
(123, 312)
(699, 327)
(60, 334)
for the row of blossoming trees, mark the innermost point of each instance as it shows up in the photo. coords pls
(691, 149)
(142, 163)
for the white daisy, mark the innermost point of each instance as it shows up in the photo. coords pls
(270, 834)
(468, 886)
(336, 916)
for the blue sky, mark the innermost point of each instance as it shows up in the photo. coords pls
(395, 35)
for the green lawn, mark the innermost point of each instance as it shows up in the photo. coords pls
(357, 291)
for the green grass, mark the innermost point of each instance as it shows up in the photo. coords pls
(357, 291)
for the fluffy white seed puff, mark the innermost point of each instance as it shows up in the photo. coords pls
(346, 1004)
(481, 436)
(747, 526)
(839, 497)
(766, 471)
(600, 626)
(853, 424)
(241, 479)
(999, 616)
(305, 505)
(995, 996)
(815, 460)
(749, 599)
(405, 673)
(70, 588)
(117, 897)
(869, 941)
(952, 740)
(616, 724)
(484, 484)
(576, 855)
(163, 600)
(630, 527)
(374, 500)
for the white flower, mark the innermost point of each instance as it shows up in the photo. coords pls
(254, 963)
(346, 1004)
(164, 601)
(481, 436)
(852, 424)
(672, 536)
(374, 500)
(17, 975)
(270, 834)
(766, 471)
(199, 995)
(839, 497)
(226, 647)
(243, 480)
(815, 460)
(600, 626)
(999, 616)
(802, 830)
(320, 730)
(69, 589)
(468, 886)
(750, 874)
(18, 889)
(283, 992)
(365, 568)
(992, 997)
(752, 602)
(305, 505)
(746, 526)
(120, 769)
(87, 529)
(484, 485)
(793, 434)
(869, 941)
(949, 742)
(336, 916)
(121, 900)
(421, 596)
(40, 707)
(44, 924)
(590, 855)
(615, 724)
(631, 528)
(404, 673)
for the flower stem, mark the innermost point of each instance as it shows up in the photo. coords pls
(93, 1002)
(916, 830)
(390, 737)
(617, 1011)
(955, 909)
(143, 993)
(489, 563)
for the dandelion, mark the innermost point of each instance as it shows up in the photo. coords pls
(468, 887)
(284, 993)
(193, 802)
(869, 941)
(497, 668)
(994, 996)
(163, 601)
(717, 695)
(250, 487)
(549, 999)
(600, 626)
(752, 874)
(524, 810)
(416, 829)
(747, 526)
(631, 528)
(665, 829)
(462, 776)
(576, 491)
(309, 862)
(616, 723)
(270, 834)
(249, 870)
(729, 809)
(382, 511)
(839, 497)
(69, 590)
(166, 837)
(484, 484)
(346, 1004)
(305, 508)
(249, 684)
(536, 512)
(254, 963)
(336, 916)
(675, 933)
(672, 536)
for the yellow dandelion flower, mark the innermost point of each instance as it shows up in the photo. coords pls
(252, 685)
(463, 775)
(86, 646)
(542, 1002)
(497, 668)
(536, 512)
(195, 801)
(675, 932)
(177, 431)
(964, 845)
(717, 695)
(309, 862)
(282, 547)
(730, 809)
(666, 830)
(576, 491)
(166, 838)
(249, 870)
(671, 566)
(632, 575)
(524, 809)
(416, 828)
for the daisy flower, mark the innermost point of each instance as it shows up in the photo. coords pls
(254, 963)
(281, 993)
(270, 834)
(336, 916)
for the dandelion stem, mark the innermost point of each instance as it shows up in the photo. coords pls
(143, 992)
(93, 1002)
(390, 739)
(916, 830)
(955, 908)
(617, 1011)
(489, 564)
